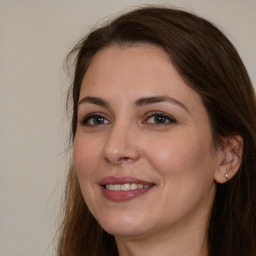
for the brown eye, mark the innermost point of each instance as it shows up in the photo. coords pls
(160, 118)
(94, 120)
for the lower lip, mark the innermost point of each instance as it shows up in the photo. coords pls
(121, 196)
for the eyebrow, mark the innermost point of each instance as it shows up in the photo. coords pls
(157, 99)
(94, 100)
(138, 103)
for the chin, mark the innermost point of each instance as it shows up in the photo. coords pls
(124, 226)
(126, 232)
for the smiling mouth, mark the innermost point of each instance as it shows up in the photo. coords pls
(121, 189)
(126, 186)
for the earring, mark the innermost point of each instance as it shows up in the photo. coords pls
(226, 176)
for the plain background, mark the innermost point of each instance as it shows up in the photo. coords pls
(35, 37)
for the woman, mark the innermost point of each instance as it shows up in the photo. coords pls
(164, 138)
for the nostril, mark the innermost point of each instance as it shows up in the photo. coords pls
(121, 153)
(124, 158)
(118, 160)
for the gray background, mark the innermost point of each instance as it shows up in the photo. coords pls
(35, 36)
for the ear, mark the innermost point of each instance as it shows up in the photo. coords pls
(229, 159)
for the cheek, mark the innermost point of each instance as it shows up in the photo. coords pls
(186, 170)
(85, 155)
(183, 155)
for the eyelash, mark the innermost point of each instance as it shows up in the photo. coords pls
(86, 119)
(162, 115)
(166, 118)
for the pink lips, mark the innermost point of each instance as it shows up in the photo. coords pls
(121, 196)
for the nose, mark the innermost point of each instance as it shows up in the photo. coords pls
(120, 145)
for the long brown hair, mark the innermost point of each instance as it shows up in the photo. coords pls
(209, 64)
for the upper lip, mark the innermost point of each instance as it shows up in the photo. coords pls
(123, 180)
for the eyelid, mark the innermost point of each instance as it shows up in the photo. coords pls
(160, 113)
(86, 118)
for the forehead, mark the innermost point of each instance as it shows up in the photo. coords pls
(131, 72)
(128, 60)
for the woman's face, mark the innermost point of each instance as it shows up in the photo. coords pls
(143, 148)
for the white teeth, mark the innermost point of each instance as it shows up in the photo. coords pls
(134, 186)
(116, 187)
(125, 187)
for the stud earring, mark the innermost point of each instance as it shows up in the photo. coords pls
(226, 176)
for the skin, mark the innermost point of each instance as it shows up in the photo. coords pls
(176, 155)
